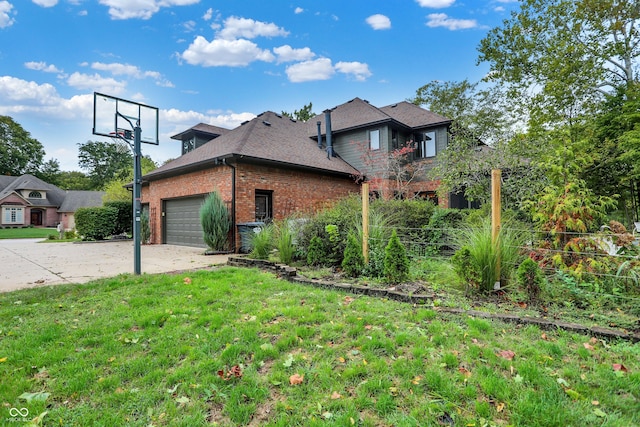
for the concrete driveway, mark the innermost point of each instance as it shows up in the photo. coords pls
(26, 263)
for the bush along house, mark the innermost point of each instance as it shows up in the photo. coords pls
(272, 167)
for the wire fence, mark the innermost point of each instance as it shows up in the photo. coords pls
(603, 264)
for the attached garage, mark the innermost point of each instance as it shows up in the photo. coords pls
(182, 222)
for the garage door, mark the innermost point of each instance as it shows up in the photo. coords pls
(182, 222)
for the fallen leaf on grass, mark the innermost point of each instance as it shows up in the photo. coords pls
(3, 359)
(587, 346)
(347, 300)
(38, 396)
(599, 413)
(296, 379)
(465, 372)
(234, 372)
(187, 281)
(620, 367)
(544, 336)
(335, 395)
(183, 400)
(506, 354)
(499, 407)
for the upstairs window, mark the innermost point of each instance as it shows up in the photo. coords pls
(426, 145)
(35, 195)
(374, 140)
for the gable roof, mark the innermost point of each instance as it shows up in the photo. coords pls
(359, 113)
(54, 195)
(413, 115)
(75, 199)
(269, 137)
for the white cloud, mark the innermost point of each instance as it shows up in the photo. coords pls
(46, 3)
(358, 70)
(6, 20)
(20, 96)
(118, 69)
(319, 69)
(189, 26)
(96, 83)
(42, 66)
(180, 120)
(235, 28)
(435, 4)
(298, 10)
(288, 54)
(231, 53)
(208, 14)
(142, 9)
(442, 20)
(379, 22)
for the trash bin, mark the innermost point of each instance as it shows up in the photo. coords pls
(246, 231)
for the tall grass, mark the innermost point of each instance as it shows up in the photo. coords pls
(283, 239)
(485, 255)
(262, 242)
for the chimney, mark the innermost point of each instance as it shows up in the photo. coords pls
(327, 119)
(319, 123)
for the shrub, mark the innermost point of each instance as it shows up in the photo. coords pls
(70, 234)
(465, 268)
(262, 242)
(145, 228)
(353, 261)
(396, 263)
(530, 278)
(216, 222)
(96, 223)
(379, 234)
(124, 219)
(315, 251)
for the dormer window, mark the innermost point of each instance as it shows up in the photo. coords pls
(35, 195)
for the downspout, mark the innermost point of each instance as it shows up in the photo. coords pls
(233, 203)
(319, 123)
(327, 119)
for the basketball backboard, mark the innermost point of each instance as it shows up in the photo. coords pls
(115, 118)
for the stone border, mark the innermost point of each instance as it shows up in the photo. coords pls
(291, 274)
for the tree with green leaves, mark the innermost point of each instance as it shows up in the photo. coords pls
(105, 161)
(482, 137)
(73, 180)
(50, 172)
(301, 115)
(115, 189)
(19, 152)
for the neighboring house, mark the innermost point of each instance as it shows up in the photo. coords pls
(75, 199)
(272, 167)
(26, 200)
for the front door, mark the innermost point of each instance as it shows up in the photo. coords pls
(36, 217)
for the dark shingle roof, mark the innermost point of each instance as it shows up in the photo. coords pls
(268, 137)
(350, 115)
(75, 199)
(54, 195)
(413, 115)
(202, 129)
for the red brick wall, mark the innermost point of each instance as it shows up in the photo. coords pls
(202, 182)
(293, 191)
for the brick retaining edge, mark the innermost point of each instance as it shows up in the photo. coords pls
(291, 274)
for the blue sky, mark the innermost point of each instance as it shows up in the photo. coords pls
(223, 62)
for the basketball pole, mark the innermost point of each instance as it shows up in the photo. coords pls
(137, 190)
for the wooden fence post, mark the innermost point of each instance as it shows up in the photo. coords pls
(495, 218)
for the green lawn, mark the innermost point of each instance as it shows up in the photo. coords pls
(26, 233)
(240, 347)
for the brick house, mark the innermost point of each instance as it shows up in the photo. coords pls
(272, 167)
(29, 201)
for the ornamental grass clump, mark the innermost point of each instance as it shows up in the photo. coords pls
(216, 222)
(478, 256)
(262, 242)
(283, 240)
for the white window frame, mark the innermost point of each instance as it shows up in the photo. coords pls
(374, 139)
(13, 215)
